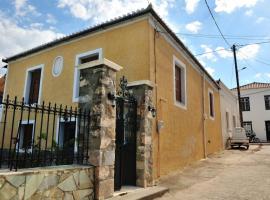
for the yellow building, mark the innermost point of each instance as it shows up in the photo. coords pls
(187, 126)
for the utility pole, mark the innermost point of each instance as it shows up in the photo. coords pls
(238, 86)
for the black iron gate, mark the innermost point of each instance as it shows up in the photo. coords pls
(125, 151)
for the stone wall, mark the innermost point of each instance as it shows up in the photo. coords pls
(61, 182)
(97, 82)
(143, 92)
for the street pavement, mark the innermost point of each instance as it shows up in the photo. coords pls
(231, 174)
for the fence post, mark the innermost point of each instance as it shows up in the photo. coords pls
(97, 81)
(143, 92)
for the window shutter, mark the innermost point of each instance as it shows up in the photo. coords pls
(34, 87)
(178, 87)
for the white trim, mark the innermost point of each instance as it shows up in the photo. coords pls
(26, 83)
(76, 131)
(4, 95)
(76, 80)
(103, 61)
(32, 139)
(141, 82)
(56, 75)
(180, 64)
(214, 112)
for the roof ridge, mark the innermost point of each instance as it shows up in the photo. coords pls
(82, 31)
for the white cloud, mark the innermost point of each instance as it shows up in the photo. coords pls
(51, 19)
(194, 27)
(229, 6)
(249, 13)
(209, 54)
(262, 76)
(259, 20)
(22, 8)
(17, 39)
(99, 11)
(224, 53)
(248, 52)
(210, 70)
(258, 75)
(191, 5)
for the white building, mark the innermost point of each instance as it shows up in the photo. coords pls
(255, 104)
(229, 112)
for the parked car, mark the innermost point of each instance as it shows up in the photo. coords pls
(239, 138)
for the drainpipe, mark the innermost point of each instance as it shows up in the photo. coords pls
(204, 115)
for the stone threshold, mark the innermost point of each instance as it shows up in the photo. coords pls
(135, 193)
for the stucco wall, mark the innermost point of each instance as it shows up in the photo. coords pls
(126, 46)
(62, 182)
(181, 140)
(257, 114)
(228, 103)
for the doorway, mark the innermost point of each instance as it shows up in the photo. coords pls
(267, 128)
(125, 150)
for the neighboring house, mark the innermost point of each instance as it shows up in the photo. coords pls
(229, 112)
(185, 96)
(255, 105)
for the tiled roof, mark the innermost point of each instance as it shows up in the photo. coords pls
(254, 85)
(110, 23)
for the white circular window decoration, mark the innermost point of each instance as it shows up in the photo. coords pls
(57, 66)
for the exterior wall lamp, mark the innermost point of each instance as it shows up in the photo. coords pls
(153, 110)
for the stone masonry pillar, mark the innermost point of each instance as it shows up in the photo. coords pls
(97, 80)
(143, 92)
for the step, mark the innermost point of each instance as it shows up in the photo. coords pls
(148, 193)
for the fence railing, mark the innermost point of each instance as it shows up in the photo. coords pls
(42, 135)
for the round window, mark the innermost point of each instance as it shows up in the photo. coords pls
(57, 66)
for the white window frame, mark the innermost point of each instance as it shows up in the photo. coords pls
(182, 66)
(28, 82)
(76, 82)
(23, 123)
(214, 112)
(76, 131)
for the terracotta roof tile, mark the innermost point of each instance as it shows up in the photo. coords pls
(254, 85)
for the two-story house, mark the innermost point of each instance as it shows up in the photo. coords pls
(255, 106)
(185, 96)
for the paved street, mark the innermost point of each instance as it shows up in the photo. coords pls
(232, 174)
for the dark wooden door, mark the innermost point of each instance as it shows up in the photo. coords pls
(267, 128)
(125, 152)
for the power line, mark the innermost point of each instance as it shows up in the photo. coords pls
(216, 24)
(243, 45)
(212, 51)
(250, 66)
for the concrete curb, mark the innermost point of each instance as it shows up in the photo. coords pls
(143, 194)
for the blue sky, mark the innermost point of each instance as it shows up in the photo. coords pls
(27, 23)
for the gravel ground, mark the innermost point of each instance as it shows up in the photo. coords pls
(231, 174)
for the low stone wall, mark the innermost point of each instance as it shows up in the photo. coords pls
(60, 182)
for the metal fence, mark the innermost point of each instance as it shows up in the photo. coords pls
(42, 135)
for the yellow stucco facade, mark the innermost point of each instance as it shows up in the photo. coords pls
(188, 133)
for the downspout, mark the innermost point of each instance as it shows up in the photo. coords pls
(203, 116)
(157, 103)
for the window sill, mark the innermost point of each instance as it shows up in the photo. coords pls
(180, 105)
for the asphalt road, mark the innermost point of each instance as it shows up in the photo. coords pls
(231, 174)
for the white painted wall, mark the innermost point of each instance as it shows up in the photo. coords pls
(257, 114)
(228, 103)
